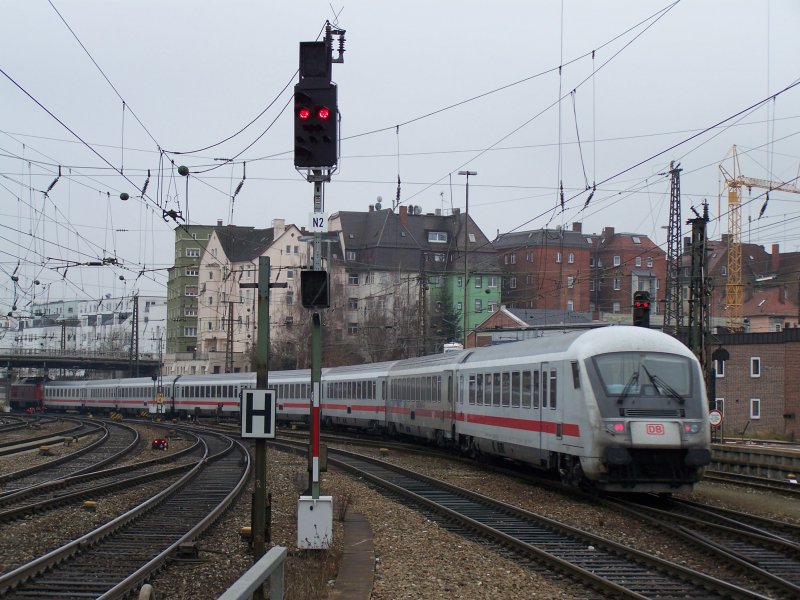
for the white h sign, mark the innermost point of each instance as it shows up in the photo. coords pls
(258, 414)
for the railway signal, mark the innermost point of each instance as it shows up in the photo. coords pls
(315, 125)
(641, 309)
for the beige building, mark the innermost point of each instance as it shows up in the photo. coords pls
(227, 304)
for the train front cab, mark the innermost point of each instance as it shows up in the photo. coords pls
(650, 431)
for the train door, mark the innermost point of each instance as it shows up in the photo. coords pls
(446, 395)
(540, 399)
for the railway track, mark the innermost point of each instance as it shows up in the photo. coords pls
(117, 440)
(602, 565)
(17, 442)
(116, 558)
(36, 499)
(762, 483)
(763, 549)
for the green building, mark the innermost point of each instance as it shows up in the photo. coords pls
(183, 287)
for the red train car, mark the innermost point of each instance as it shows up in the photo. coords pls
(27, 394)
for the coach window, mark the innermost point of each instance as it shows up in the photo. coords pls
(755, 408)
(755, 366)
(516, 391)
(553, 375)
(506, 393)
(535, 391)
(543, 389)
(479, 389)
(576, 379)
(497, 391)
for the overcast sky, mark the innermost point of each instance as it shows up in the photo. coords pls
(426, 89)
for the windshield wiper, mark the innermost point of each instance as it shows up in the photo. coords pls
(658, 382)
(633, 379)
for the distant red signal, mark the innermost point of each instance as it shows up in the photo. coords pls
(303, 113)
(323, 112)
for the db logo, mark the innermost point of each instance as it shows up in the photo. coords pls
(655, 429)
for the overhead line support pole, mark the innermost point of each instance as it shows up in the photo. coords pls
(261, 526)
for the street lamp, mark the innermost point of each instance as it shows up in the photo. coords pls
(466, 247)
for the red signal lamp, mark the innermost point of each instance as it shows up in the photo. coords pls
(323, 113)
(303, 113)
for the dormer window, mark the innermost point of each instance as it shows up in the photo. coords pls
(439, 237)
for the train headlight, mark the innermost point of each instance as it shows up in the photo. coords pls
(615, 426)
(692, 427)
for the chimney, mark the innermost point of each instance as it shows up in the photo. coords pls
(404, 215)
(279, 226)
(775, 259)
(608, 232)
(577, 227)
(725, 238)
(371, 208)
(219, 222)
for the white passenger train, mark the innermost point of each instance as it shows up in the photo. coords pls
(622, 408)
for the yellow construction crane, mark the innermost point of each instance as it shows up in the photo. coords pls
(734, 182)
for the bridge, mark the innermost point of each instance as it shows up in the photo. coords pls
(145, 365)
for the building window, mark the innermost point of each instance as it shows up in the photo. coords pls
(591, 285)
(289, 273)
(478, 281)
(478, 305)
(193, 252)
(512, 283)
(724, 271)
(459, 281)
(558, 257)
(570, 281)
(492, 307)
(638, 261)
(570, 306)
(719, 404)
(615, 307)
(513, 258)
(491, 281)
(190, 290)
(190, 332)
(289, 298)
(211, 274)
(636, 239)
(352, 329)
(459, 305)
(191, 272)
(352, 279)
(755, 366)
(351, 255)
(650, 262)
(719, 368)
(755, 408)
(438, 257)
(190, 312)
(210, 300)
(617, 283)
(471, 237)
(617, 261)
(571, 258)
(352, 304)
(591, 261)
(210, 326)
(437, 236)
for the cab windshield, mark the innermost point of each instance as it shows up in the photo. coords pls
(644, 374)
